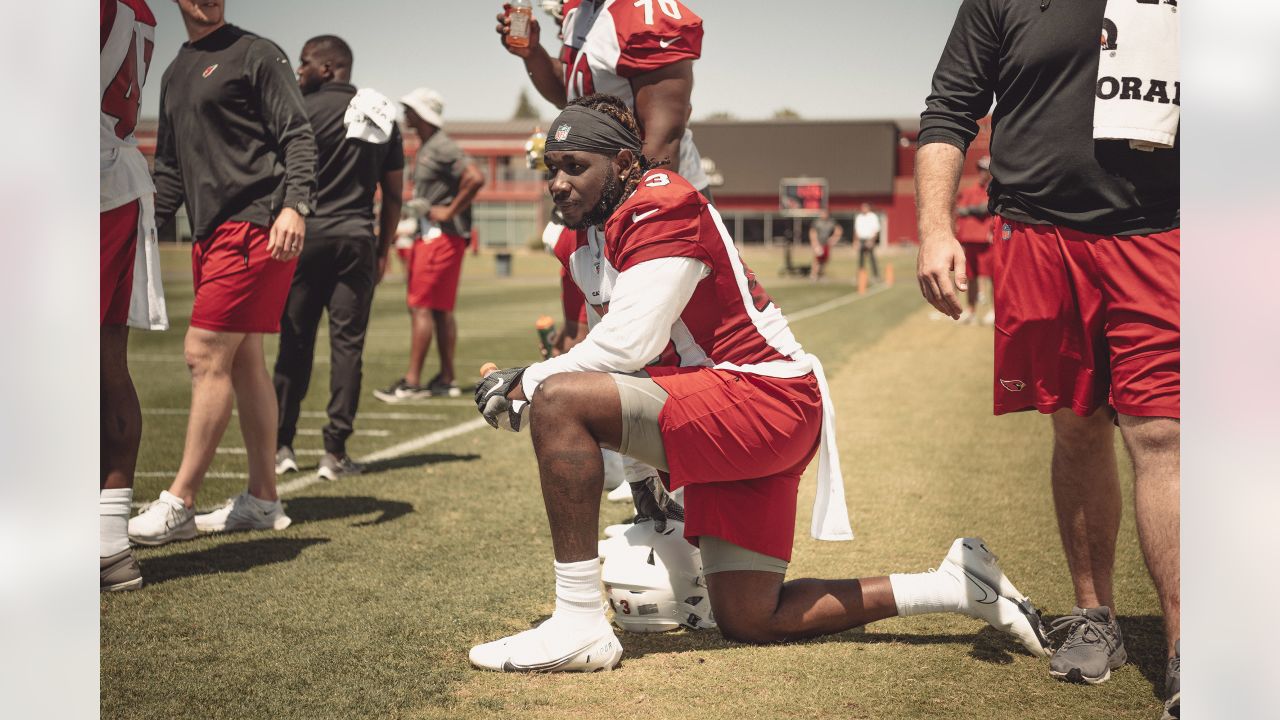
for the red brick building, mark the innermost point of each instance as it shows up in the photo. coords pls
(861, 161)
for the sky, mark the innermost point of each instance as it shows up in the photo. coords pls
(855, 59)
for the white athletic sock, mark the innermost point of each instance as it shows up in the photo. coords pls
(113, 520)
(928, 592)
(579, 599)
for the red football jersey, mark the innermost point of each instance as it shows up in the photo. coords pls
(608, 42)
(730, 318)
(125, 41)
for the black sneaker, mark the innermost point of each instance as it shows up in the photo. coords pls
(333, 467)
(401, 391)
(1092, 649)
(439, 388)
(1173, 685)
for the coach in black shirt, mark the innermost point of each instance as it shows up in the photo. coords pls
(1086, 272)
(360, 148)
(233, 145)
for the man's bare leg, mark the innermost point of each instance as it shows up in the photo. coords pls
(447, 342)
(758, 607)
(256, 399)
(1086, 497)
(121, 416)
(422, 328)
(1154, 445)
(210, 356)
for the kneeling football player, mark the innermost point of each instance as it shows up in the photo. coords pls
(734, 411)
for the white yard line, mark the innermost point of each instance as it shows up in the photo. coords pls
(833, 304)
(386, 453)
(367, 433)
(322, 415)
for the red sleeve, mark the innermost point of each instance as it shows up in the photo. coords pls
(664, 218)
(572, 300)
(646, 46)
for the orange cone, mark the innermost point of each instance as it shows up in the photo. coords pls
(888, 274)
(862, 281)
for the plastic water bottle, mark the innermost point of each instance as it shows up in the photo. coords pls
(521, 13)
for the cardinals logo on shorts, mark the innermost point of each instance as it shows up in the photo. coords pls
(1013, 385)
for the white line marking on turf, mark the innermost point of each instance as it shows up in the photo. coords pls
(314, 452)
(386, 453)
(833, 304)
(393, 451)
(366, 433)
(321, 415)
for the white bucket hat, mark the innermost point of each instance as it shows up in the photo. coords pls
(427, 103)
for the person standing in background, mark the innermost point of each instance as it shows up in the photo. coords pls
(973, 230)
(235, 146)
(445, 181)
(359, 150)
(866, 228)
(823, 234)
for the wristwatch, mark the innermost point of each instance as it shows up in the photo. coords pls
(303, 208)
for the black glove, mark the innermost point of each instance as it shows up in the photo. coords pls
(491, 399)
(653, 502)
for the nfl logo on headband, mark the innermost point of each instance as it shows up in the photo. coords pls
(562, 132)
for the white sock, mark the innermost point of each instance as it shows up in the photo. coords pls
(579, 598)
(928, 592)
(113, 520)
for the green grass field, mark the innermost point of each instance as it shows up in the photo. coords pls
(366, 606)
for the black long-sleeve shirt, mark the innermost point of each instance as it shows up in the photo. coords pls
(1042, 68)
(234, 141)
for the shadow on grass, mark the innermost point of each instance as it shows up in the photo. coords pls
(316, 509)
(1144, 643)
(236, 557)
(987, 645)
(413, 461)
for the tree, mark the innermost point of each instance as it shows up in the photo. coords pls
(525, 109)
(786, 113)
(722, 115)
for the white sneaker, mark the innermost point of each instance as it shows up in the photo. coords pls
(163, 520)
(989, 318)
(622, 493)
(546, 649)
(242, 513)
(991, 596)
(285, 460)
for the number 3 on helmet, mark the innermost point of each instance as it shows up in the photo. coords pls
(654, 580)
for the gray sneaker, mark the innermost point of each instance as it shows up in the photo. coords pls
(333, 467)
(119, 572)
(286, 462)
(1092, 649)
(1173, 685)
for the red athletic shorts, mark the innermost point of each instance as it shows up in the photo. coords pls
(738, 443)
(1084, 320)
(977, 259)
(239, 287)
(822, 255)
(434, 269)
(118, 238)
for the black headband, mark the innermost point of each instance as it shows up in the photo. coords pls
(581, 128)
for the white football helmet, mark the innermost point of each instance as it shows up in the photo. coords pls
(654, 580)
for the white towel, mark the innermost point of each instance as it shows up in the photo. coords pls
(830, 514)
(370, 117)
(146, 301)
(1138, 91)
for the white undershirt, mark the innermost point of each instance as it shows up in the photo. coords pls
(647, 300)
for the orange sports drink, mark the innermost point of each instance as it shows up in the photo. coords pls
(546, 327)
(521, 13)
